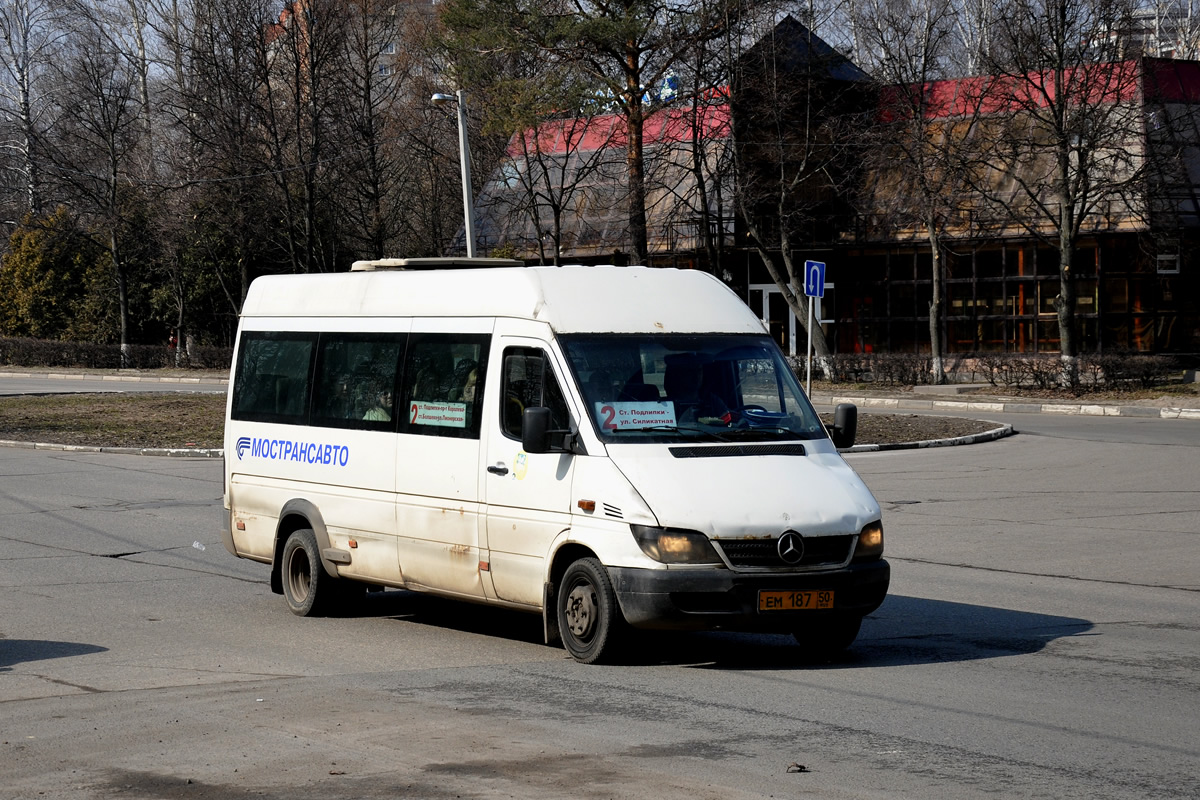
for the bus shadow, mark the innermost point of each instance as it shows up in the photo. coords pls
(903, 631)
(425, 609)
(19, 651)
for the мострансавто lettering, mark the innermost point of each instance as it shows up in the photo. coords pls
(288, 450)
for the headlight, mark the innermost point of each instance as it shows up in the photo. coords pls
(673, 546)
(870, 542)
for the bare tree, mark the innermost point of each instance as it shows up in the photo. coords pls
(797, 103)
(558, 174)
(1062, 145)
(302, 63)
(918, 160)
(974, 22)
(98, 139)
(624, 47)
(1173, 29)
(377, 68)
(701, 194)
(125, 26)
(220, 86)
(30, 38)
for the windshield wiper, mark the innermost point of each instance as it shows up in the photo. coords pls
(716, 437)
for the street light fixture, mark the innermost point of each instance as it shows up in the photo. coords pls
(464, 157)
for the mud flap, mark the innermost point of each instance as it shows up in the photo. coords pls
(549, 614)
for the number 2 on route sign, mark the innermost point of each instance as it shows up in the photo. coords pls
(814, 278)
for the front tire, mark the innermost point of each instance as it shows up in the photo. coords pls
(306, 586)
(588, 615)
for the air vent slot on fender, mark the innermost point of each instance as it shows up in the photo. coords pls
(715, 451)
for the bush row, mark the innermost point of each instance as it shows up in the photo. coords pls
(86, 355)
(1096, 371)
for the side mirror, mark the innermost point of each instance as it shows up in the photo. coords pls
(535, 430)
(845, 425)
(538, 437)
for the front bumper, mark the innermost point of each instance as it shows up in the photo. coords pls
(721, 598)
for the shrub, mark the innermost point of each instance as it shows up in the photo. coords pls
(88, 355)
(1124, 370)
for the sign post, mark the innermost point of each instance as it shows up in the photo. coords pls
(814, 286)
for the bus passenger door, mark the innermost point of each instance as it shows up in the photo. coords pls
(438, 453)
(527, 495)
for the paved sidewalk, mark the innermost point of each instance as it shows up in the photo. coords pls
(953, 403)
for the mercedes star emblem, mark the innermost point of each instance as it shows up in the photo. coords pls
(791, 547)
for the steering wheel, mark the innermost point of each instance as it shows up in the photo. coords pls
(744, 409)
(740, 416)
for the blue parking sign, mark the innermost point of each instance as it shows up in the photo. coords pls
(814, 278)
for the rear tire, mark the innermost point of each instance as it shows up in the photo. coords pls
(828, 637)
(306, 586)
(589, 619)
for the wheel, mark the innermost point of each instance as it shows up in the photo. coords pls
(828, 637)
(306, 586)
(588, 614)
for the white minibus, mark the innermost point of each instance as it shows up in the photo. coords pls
(609, 447)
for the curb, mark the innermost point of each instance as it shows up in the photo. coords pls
(974, 438)
(174, 452)
(72, 376)
(1083, 409)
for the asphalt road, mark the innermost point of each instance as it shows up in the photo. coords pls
(1042, 640)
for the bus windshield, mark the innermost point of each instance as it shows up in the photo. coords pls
(707, 387)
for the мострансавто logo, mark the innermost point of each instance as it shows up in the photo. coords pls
(288, 450)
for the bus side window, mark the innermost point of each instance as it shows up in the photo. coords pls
(273, 377)
(529, 381)
(443, 384)
(356, 380)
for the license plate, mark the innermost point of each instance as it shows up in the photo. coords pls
(795, 601)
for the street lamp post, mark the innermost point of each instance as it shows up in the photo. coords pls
(464, 157)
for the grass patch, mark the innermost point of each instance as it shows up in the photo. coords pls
(116, 420)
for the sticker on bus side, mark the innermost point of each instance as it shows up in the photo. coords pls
(446, 415)
(630, 416)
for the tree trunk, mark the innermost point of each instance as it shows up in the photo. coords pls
(937, 371)
(635, 164)
(122, 299)
(32, 178)
(1064, 304)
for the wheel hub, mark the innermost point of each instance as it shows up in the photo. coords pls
(581, 610)
(300, 577)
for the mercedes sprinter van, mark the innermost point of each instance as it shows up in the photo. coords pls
(608, 447)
